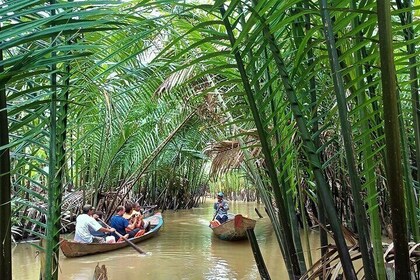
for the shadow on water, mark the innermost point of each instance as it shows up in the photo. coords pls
(184, 249)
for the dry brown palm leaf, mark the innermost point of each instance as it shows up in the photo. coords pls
(329, 266)
(414, 256)
(226, 160)
(175, 79)
(320, 267)
(350, 236)
(72, 201)
(227, 155)
(222, 146)
(413, 250)
(387, 254)
(414, 253)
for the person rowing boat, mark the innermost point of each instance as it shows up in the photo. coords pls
(221, 206)
(86, 224)
(71, 248)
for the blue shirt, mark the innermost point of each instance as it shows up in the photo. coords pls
(119, 223)
(221, 211)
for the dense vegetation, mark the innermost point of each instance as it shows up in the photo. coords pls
(314, 104)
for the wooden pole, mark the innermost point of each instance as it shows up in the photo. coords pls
(126, 239)
(258, 213)
(257, 255)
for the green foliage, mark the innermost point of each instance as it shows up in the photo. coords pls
(142, 87)
(234, 181)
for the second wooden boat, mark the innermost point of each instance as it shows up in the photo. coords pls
(234, 229)
(73, 249)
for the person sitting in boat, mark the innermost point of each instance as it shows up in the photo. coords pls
(137, 209)
(97, 215)
(109, 238)
(128, 211)
(221, 206)
(137, 218)
(134, 217)
(122, 225)
(85, 224)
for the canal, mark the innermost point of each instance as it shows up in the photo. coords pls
(185, 248)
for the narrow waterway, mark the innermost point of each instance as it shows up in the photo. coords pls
(185, 248)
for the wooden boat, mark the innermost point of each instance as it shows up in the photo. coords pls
(234, 228)
(72, 248)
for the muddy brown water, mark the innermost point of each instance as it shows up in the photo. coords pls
(185, 248)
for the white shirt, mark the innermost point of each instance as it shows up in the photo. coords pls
(84, 225)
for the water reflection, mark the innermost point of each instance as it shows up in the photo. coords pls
(231, 260)
(184, 249)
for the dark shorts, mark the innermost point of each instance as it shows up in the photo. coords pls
(222, 219)
(132, 233)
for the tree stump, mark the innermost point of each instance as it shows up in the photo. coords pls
(100, 273)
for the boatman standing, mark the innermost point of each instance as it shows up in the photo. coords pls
(221, 207)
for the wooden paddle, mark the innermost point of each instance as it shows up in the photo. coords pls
(126, 239)
(215, 214)
(148, 206)
(149, 209)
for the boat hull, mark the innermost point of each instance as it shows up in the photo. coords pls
(234, 229)
(73, 249)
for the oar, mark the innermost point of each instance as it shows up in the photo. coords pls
(214, 215)
(148, 206)
(149, 209)
(258, 213)
(126, 239)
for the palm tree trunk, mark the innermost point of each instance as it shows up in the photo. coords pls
(283, 179)
(360, 211)
(252, 170)
(392, 138)
(407, 19)
(54, 178)
(323, 188)
(409, 33)
(315, 126)
(369, 164)
(5, 207)
(409, 183)
(283, 214)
